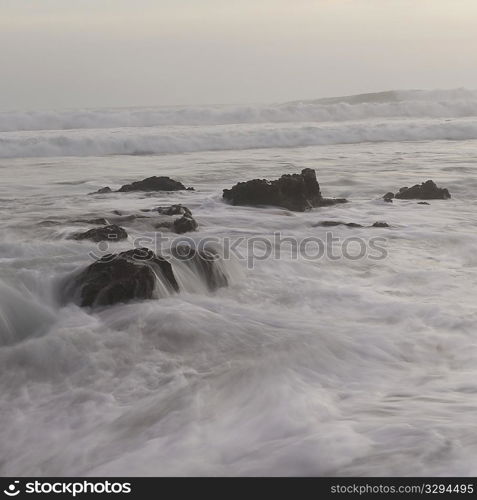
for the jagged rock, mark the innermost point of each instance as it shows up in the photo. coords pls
(298, 192)
(105, 233)
(154, 184)
(380, 224)
(174, 210)
(123, 277)
(388, 197)
(332, 223)
(426, 191)
(204, 262)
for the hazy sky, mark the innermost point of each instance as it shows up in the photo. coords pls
(90, 53)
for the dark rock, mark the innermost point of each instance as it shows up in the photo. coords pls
(106, 233)
(388, 197)
(153, 184)
(204, 262)
(101, 221)
(122, 277)
(184, 224)
(425, 191)
(298, 192)
(423, 203)
(380, 224)
(332, 223)
(174, 210)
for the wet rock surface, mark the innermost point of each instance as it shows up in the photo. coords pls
(297, 192)
(134, 274)
(123, 277)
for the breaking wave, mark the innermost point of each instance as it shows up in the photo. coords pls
(400, 104)
(230, 137)
(378, 117)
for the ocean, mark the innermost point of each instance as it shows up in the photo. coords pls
(302, 365)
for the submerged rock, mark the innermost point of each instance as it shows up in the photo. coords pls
(164, 224)
(106, 233)
(48, 223)
(179, 225)
(332, 223)
(104, 190)
(185, 224)
(423, 203)
(297, 192)
(174, 210)
(127, 276)
(154, 184)
(388, 197)
(426, 191)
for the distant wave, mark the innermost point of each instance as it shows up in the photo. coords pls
(164, 140)
(457, 103)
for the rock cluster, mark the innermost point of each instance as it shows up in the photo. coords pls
(426, 191)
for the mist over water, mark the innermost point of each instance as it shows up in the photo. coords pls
(346, 367)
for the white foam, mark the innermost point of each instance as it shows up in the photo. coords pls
(299, 367)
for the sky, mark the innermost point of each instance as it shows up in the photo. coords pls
(57, 54)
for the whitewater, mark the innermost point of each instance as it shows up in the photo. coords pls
(298, 367)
